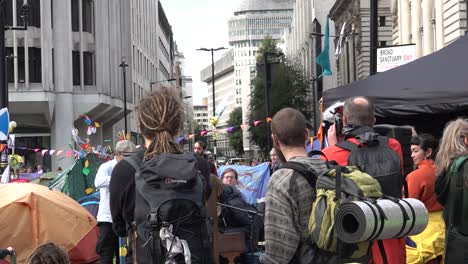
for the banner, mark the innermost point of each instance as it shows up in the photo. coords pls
(253, 181)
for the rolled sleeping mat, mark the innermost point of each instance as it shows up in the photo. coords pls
(358, 221)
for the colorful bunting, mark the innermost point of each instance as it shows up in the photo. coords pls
(44, 151)
(257, 122)
(268, 119)
(180, 139)
(59, 152)
(191, 136)
(203, 133)
(51, 152)
(36, 150)
(86, 171)
(243, 126)
(230, 129)
(68, 153)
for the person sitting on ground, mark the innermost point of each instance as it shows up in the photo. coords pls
(48, 253)
(427, 247)
(237, 218)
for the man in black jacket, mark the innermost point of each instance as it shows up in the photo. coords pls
(122, 194)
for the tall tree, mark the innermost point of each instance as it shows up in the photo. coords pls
(235, 137)
(289, 88)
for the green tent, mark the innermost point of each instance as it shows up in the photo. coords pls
(76, 180)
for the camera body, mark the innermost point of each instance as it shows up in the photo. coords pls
(338, 123)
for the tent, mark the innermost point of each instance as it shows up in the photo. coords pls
(436, 84)
(31, 215)
(78, 181)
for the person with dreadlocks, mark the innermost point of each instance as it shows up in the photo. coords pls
(160, 116)
(48, 253)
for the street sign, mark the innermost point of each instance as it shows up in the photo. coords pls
(393, 56)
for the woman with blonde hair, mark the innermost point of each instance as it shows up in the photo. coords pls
(452, 189)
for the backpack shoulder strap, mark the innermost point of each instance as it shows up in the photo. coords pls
(309, 174)
(348, 145)
(383, 140)
(133, 161)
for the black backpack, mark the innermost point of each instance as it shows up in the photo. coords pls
(373, 156)
(170, 200)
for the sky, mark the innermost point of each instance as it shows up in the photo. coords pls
(197, 24)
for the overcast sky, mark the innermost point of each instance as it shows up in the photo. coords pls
(195, 24)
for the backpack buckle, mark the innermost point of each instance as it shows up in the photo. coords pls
(153, 219)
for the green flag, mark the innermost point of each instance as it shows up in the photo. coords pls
(323, 59)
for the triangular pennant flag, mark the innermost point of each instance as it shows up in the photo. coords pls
(243, 126)
(257, 122)
(86, 171)
(59, 152)
(191, 136)
(4, 123)
(268, 119)
(179, 139)
(127, 137)
(86, 163)
(68, 153)
(96, 124)
(36, 150)
(44, 151)
(203, 133)
(230, 129)
(51, 152)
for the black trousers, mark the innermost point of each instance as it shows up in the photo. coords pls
(107, 246)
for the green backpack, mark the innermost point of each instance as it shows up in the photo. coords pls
(353, 185)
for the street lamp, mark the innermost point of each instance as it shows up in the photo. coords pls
(213, 84)
(168, 80)
(267, 90)
(189, 123)
(124, 66)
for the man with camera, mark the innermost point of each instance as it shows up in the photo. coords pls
(377, 154)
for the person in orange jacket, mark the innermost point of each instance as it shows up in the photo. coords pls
(358, 113)
(427, 247)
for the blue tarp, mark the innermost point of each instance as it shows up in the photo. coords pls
(253, 181)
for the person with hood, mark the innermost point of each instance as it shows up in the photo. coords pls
(451, 188)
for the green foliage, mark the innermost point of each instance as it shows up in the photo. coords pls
(236, 138)
(289, 88)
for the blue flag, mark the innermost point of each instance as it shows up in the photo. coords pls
(323, 59)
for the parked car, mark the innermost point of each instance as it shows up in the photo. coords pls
(221, 161)
(236, 161)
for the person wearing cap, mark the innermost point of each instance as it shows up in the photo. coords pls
(107, 246)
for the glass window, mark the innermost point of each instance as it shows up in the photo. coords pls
(76, 67)
(87, 16)
(88, 67)
(75, 16)
(35, 67)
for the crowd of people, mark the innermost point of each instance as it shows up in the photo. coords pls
(157, 196)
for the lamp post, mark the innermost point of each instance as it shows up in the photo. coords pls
(267, 91)
(124, 66)
(168, 80)
(189, 123)
(212, 50)
(3, 79)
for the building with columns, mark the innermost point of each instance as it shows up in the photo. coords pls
(429, 24)
(254, 20)
(354, 61)
(67, 64)
(304, 43)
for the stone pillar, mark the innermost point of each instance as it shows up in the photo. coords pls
(405, 22)
(428, 30)
(416, 25)
(63, 80)
(439, 10)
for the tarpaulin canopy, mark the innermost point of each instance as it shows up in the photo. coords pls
(434, 84)
(31, 214)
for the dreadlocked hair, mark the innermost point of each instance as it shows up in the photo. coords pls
(49, 253)
(160, 116)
